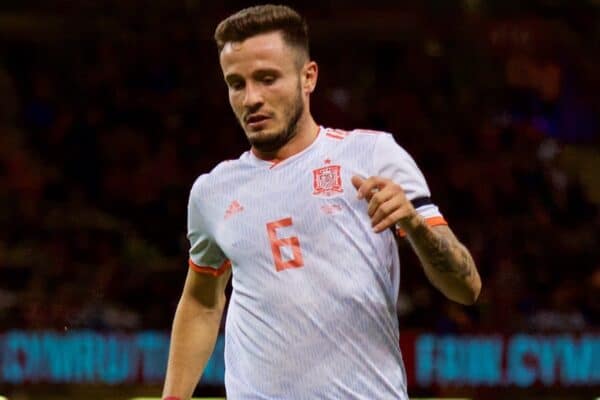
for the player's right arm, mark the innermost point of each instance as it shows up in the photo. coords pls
(194, 333)
(200, 308)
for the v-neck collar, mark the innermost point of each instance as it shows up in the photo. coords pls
(270, 164)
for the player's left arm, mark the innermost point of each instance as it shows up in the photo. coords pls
(447, 262)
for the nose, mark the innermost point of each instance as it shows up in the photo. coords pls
(252, 96)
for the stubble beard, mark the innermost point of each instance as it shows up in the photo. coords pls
(272, 143)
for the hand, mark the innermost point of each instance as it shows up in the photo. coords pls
(388, 204)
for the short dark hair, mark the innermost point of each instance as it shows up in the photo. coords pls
(266, 18)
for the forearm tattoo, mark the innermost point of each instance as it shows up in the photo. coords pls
(442, 252)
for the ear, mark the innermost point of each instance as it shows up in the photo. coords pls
(310, 72)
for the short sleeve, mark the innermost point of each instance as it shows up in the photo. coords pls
(205, 254)
(391, 161)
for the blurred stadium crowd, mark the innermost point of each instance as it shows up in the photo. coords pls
(107, 117)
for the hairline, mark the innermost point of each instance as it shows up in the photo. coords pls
(302, 54)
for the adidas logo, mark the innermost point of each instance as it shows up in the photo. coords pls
(234, 208)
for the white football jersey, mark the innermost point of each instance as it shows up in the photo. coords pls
(312, 314)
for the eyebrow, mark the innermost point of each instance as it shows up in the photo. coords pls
(266, 71)
(256, 74)
(232, 77)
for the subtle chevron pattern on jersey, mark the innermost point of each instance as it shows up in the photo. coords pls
(313, 309)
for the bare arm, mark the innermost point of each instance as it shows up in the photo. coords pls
(447, 262)
(195, 330)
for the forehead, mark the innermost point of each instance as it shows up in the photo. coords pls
(267, 50)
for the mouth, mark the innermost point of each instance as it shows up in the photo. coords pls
(256, 121)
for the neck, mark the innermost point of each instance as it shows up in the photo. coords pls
(307, 133)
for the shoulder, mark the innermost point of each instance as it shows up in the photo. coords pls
(381, 146)
(221, 173)
(343, 134)
(363, 137)
(355, 135)
(198, 185)
(227, 167)
(370, 133)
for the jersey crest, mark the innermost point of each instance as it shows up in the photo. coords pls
(327, 180)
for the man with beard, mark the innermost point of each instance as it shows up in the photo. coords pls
(301, 223)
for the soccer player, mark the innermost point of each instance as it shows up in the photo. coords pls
(301, 222)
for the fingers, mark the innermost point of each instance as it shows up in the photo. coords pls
(387, 201)
(357, 181)
(367, 187)
(383, 204)
(389, 220)
(378, 198)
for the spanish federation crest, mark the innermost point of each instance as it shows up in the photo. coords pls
(327, 180)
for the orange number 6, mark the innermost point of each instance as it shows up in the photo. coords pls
(276, 244)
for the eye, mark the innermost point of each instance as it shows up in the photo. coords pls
(268, 79)
(236, 85)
